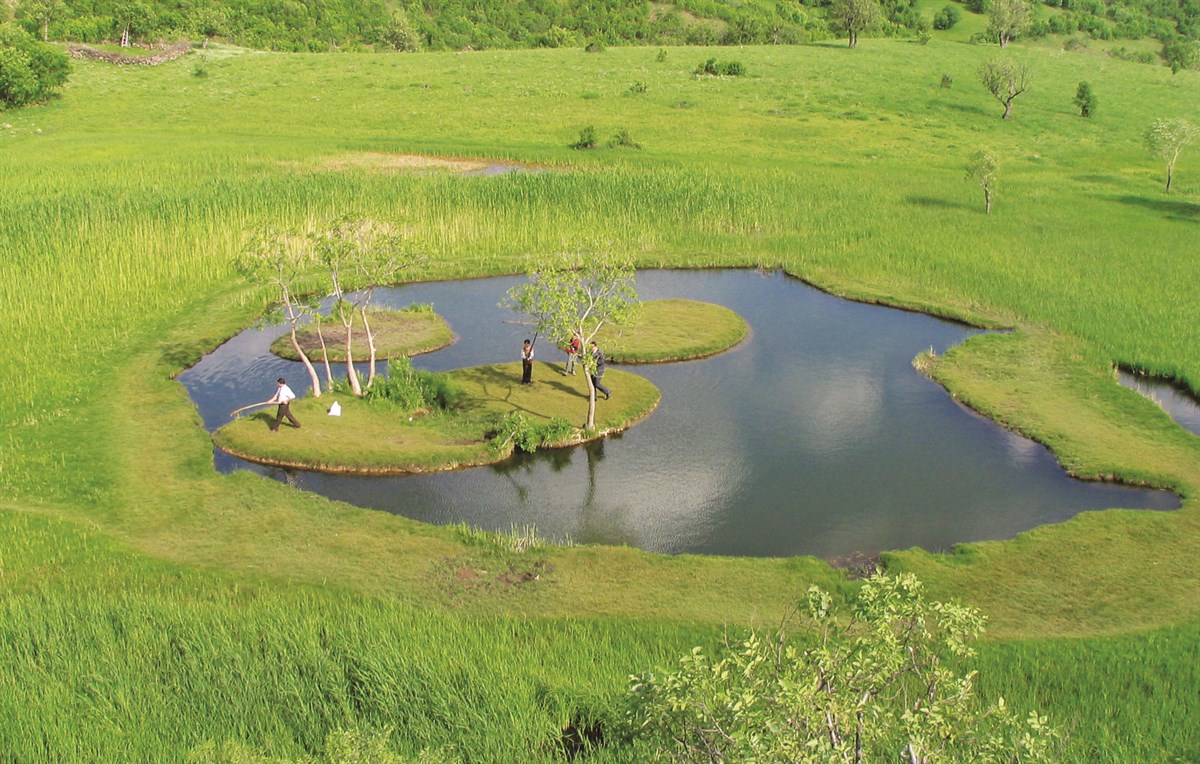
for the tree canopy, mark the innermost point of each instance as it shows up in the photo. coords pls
(30, 70)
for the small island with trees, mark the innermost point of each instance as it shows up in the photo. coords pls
(413, 421)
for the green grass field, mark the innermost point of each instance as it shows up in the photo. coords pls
(150, 604)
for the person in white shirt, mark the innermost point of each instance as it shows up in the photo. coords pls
(283, 396)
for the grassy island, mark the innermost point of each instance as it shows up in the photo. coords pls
(410, 331)
(674, 330)
(378, 437)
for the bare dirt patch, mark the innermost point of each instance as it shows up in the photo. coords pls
(376, 161)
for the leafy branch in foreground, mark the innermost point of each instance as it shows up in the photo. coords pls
(873, 685)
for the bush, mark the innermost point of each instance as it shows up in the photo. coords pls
(623, 140)
(515, 430)
(587, 139)
(30, 70)
(947, 81)
(413, 390)
(1085, 99)
(638, 88)
(711, 68)
(947, 17)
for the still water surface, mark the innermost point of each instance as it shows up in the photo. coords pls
(814, 436)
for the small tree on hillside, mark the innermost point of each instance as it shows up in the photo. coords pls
(208, 22)
(279, 259)
(1085, 99)
(1005, 80)
(577, 296)
(984, 168)
(1167, 138)
(855, 16)
(874, 685)
(1180, 53)
(1008, 19)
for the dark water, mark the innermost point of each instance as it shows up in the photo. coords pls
(814, 436)
(1178, 404)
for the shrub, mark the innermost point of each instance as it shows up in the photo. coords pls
(30, 70)
(515, 430)
(587, 139)
(661, 57)
(711, 68)
(413, 390)
(947, 17)
(595, 46)
(200, 69)
(638, 88)
(1085, 99)
(623, 140)
(947, 81)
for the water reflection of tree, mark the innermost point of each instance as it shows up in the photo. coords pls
(558, 459)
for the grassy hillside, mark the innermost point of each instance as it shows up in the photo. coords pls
(130, 571)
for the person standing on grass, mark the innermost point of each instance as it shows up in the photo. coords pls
(598, 372)
(284, 397)
(527, 363)
(574, 350)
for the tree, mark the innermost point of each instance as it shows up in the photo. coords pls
(1008, 19)
(870, 686)
(565, 298)
(44, 12)
(856, 16)
(374, 255)
(30, 70)
(1085, 99)
(133, 18)
(1180, 53)
(400, 32)
(1005, 80)
(279, 258)
(1167, 138)
(208, 22)
(983, 168)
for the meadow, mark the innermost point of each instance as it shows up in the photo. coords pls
(150, 605)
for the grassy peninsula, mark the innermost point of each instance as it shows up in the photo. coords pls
(673, 330)
(407, 332)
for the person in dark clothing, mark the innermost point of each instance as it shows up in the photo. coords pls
(598, 372)
(527, 363)
(284, 397)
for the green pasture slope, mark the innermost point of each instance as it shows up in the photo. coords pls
(149, 605)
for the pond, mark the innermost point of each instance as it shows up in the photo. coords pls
(814, 436)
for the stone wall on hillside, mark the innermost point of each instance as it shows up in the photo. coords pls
(166, 54)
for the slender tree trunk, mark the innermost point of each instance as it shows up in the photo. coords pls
(370, 346)
(987, 201)
(1170, 168)
(853, 39)
(348, 322)
(293, 319)
(591, 417)
(46, 30)
(325, 357)
(204, 45)
(1008, 109)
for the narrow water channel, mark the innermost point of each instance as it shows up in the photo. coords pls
(814, 436)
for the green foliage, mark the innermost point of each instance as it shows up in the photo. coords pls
(1005, 79)
(872, 685)
(638, 88)
(30, 71)
(413, 389)
(1085, 99)
(947, 17)
(587, 138)
(623, 140)
(1008, 19)
(1167, 138)
(947, 81)
(984, 168)
(855, 16)
(200, 67)
(516, 430)
(1180, 53)
(713, 68)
